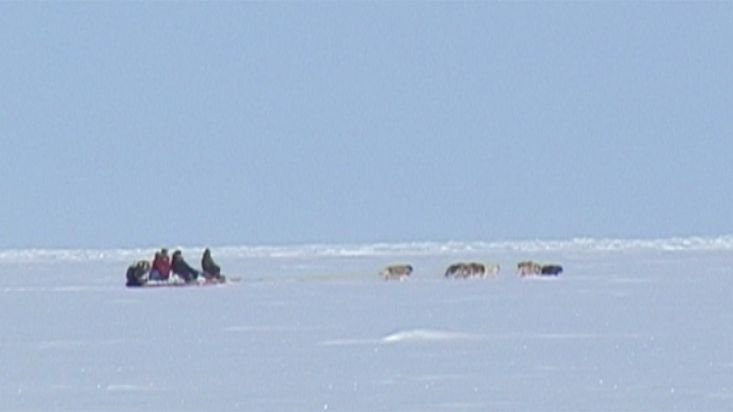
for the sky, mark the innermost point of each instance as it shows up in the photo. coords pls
(126, 124)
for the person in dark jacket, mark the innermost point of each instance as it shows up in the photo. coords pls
(183, 269)
(210, 268)
(137, 273)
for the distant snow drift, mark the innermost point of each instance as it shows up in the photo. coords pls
(414, 249)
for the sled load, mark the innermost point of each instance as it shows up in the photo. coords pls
(174, 271)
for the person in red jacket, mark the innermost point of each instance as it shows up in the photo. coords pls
(161, 269)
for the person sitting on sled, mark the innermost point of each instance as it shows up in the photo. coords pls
(137, 273)
(161, 266)
(183, 269)
(211, 270)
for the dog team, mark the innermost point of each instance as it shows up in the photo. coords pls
(473, 270)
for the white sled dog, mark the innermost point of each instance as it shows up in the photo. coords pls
(527, 268)
(396, 272)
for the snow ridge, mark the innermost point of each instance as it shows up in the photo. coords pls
(409, 249)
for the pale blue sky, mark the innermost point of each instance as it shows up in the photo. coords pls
(156, 123)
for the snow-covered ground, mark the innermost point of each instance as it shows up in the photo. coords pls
(629, 326)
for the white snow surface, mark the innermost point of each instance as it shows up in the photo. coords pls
(631, 325)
